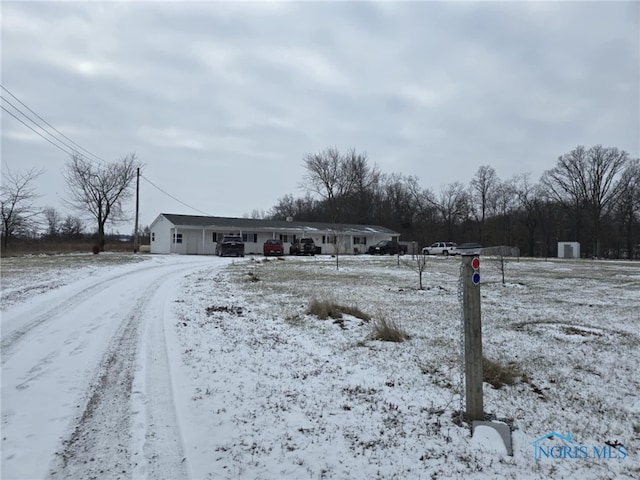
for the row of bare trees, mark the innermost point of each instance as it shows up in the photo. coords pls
(94, 190)
(60, 226)
(592, 195)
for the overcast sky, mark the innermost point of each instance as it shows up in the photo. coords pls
(221, 101)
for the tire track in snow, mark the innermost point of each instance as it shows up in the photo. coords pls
(11, 340)
(156, 435)
(100, 444)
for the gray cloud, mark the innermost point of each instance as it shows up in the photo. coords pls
(222, 100)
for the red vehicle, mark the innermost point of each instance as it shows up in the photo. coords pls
(273, 247)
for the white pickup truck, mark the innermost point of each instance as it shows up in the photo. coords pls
(441, 248)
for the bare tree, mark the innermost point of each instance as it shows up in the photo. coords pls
(334, 177)
(256, 214)
(53, 219)
(146, 234)
(364, 180)
(628, 203)
(587, 180)
(530, 200)
(100, 190)
(506, 205)
(324, 177)
(398, 202)
(71, 227)
(499, 257)
(425, 215)
(483, 193)
(17, 194)
(338, 240)
(298, 208)
(453, 205)
(419, 265)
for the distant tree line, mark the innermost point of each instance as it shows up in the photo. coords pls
(95, 190)
(54, 230)
(591, 196)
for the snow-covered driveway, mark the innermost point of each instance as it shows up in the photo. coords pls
(82, 361)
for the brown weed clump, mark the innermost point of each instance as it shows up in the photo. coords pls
(325, 309)
(389, 331)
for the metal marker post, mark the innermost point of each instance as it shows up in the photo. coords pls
(472, 336)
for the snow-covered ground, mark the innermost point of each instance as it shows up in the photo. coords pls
(122, 366)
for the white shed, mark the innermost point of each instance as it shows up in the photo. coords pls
(568, 250)
(197, 235)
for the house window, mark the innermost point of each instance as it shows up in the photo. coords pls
(329, 239)
(359, 240)
(153, 236)
(285, 238)
(214, 237)
(177, 238)
(250, 237)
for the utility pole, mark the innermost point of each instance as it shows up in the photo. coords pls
(472, 336)
(136, 239)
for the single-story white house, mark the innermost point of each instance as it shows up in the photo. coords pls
(197, 235)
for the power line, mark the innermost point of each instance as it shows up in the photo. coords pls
(35, 123)
(72, 151)
(47, 123)
(174, 198)
(35, 131)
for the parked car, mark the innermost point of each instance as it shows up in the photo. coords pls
(441, 248)
(387, 247)
(303, 246)
(273, 247)
(230, 246)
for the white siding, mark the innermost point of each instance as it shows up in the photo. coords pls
(198, 240)
(568, 250)
(195, 241)
(161, 235)
(209, 244)
(178, 243)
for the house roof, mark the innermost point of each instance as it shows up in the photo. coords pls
(270, 225)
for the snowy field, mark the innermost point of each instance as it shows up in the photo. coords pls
(122, 366)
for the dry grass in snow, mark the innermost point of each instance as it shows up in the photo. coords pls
(279, 393)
